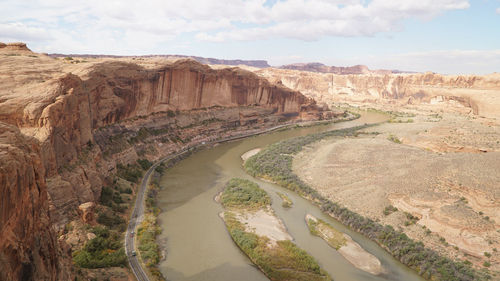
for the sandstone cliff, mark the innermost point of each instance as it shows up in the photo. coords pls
(28, 245)
(478, 94)
(64, 125)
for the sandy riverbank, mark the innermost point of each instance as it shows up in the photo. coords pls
(249, 154)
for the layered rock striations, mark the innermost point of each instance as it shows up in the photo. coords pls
(478, 94)
(65, 126)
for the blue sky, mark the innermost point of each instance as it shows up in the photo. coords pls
(446, 36)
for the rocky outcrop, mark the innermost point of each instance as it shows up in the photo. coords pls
(87, 212)
(64, 128)
(15, 46)
(477, 93)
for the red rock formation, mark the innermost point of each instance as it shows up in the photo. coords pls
(28, 245)
(478, 92)
(87, 212)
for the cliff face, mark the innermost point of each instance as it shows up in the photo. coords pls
(28, 246)
(477, 93)
(68, 109)
(64, 127)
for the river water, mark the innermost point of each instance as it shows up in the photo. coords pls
(197, 243)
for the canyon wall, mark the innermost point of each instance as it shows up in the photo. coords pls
(29, 249)
(480, 94)
(64, 127)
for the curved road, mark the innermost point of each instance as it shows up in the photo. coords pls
(138, 211)
(136, 218)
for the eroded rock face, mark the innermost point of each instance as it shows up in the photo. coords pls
(87, 212)
(478, 94)
(66, 126)
(28, 246)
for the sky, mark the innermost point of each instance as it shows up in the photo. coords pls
(444, 36)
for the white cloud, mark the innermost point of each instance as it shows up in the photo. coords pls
(129, 25)
(22, 32)
(315, 19)
(498, 11)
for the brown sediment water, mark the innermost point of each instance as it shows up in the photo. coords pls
(197, 244)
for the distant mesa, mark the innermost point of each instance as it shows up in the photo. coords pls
(15, 46)
(319, 67)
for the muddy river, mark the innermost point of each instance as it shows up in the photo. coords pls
(197, 243)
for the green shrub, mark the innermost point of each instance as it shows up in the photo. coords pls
(144, 163)
(117, 198)
(160, 168)
(147, 233)
(111, 221)
(243, 193)
(394, 139)
(106, 198)
(127, 190)
(105, 250)
(130, 173)
(287, 203)
(389, 210)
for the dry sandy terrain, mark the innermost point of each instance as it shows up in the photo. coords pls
(249, 154)
(264, 223)
(446, 173)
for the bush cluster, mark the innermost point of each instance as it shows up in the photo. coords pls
(105, 250)
(147, 233)
(132, 173)
(111, 221)
(285, 261)
(241, 193)
(144, 163)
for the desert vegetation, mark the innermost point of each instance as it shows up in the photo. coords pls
(281, 260)
(275, 163)
(105, 250)
(286, 202)
(240, 193)
(318, 227)
(148, 230)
